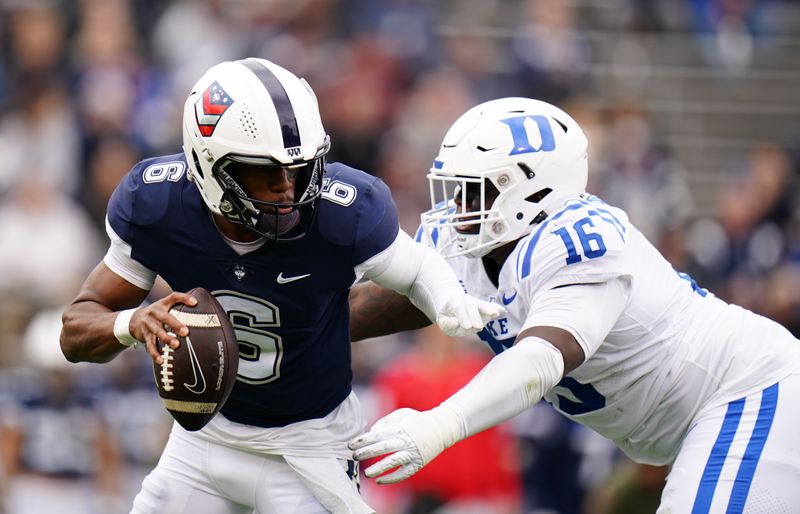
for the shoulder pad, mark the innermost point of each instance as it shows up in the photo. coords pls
(145, 193)
(582, 243)
(357, 209)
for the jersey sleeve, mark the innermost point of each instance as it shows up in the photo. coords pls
(378, 224)
(357, 211)
(137, 202)
(119, 215)
(587, 311)
(141, 199)
(118, 259)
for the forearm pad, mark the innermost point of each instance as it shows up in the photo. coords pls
(512, 382)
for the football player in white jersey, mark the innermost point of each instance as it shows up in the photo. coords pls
(599, 324)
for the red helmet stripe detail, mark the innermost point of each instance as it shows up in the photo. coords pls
(210, 107)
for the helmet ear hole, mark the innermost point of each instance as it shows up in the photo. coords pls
(539, 218)
(538, 196)
(526, 170)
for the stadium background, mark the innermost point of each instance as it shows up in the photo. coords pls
(691, 108)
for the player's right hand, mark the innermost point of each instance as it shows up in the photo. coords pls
(409, 439)
(154, 322)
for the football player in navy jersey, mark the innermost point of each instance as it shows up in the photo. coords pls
(251, 212)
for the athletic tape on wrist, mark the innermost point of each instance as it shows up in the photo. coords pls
(122, 328)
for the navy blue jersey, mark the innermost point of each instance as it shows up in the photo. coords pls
(287, 301)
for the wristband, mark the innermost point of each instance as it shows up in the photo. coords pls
(122, 328)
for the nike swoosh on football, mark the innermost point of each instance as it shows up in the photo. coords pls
(506, 301)
(286, 280)
(197, 371)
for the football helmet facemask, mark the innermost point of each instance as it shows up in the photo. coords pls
(253, 113)
(503, 167)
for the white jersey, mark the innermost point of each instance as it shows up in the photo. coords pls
(674, 348)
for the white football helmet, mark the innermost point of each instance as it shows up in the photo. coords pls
(254, 112)
(503, 166)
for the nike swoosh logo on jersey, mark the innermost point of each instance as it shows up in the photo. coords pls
(286, 280)
(197, 371)
(506, 301)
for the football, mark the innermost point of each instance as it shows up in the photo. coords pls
(196, 378)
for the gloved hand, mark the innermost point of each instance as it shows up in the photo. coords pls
(412, 438)
(463, 315)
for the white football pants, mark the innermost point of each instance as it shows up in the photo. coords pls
(743, 457)
(197, 476)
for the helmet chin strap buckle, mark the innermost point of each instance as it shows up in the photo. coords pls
(226, 207)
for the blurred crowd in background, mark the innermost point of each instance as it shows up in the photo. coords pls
(691, 108)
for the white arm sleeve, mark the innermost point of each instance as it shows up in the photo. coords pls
(511, 382)
(519, 377)
(415, 270)
(119, 260)
(587, 311)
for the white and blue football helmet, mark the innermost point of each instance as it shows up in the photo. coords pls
(253, 112)
(503, 166)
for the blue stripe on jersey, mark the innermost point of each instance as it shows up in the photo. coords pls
(622, 229)
(435, 231)
(744, 477)
(599, 211)
(613, 222)
(525, 269)
(708, 482)
(434, 235)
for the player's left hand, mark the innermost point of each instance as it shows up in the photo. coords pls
(411, 438)
(464, 315)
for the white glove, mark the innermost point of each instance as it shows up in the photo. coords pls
(412, 438)
(463, 315)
